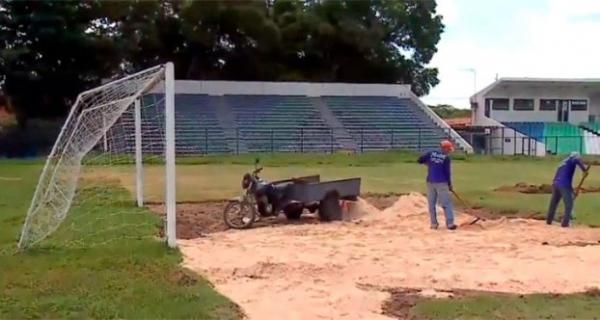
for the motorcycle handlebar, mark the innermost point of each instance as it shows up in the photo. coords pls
(258, 170)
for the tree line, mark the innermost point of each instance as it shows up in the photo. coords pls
(52, 50)
(446, 111)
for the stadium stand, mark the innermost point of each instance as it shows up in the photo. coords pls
(534, 130)
(378, 123)
(280, 123)
(593, 127)
(559, 138)
(209, 124)
(563, 138)
(197, 127)
(592, 137)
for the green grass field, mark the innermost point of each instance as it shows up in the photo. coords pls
(475, 178)
(138, 278)
(89, 269)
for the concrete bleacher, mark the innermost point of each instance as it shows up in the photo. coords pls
(593, 127)
(534, 130)
(265, 123)
(235, 117)
(197, 127)
(559, 137)
(563, 138)
(121, 136)
(279, 123)
(379, 123)
(592, 137)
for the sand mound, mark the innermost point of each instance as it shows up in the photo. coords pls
(409, 205)
(359, 209)
(340, 270)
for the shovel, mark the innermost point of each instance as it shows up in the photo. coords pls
(467, 207)
(585, 175)
(578, 189)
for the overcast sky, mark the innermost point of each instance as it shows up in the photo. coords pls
(514, 38)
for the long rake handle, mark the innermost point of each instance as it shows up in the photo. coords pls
(463, 202)
(578, 189)
(467, 206)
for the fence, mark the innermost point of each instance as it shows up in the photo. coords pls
(506, 141)
(305, 139)
(202, 141)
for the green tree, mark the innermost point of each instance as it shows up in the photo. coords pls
(447, 111)
(377, 41)
(51, 51)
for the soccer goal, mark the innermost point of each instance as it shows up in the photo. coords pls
(115, 134)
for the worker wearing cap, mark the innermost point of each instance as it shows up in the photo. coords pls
(562, 187)
(439, 183)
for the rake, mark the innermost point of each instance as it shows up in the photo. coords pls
(579, 187)
(583, 177)
(468, 208)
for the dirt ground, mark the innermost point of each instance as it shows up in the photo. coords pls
(196, 220)
(353, 269)
(523, 187)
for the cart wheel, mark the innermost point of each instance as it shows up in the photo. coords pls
(293, 210)
(329, 207)
(313, 207)
(239, 214)
(293, 214)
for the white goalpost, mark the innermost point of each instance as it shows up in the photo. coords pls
(110, 129)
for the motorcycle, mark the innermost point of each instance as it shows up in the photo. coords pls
(259, 199)
(262, 199)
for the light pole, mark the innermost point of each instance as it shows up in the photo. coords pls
(474, 78)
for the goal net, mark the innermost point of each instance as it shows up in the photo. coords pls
(94, 174)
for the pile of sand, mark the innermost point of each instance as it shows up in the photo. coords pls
(338, 270)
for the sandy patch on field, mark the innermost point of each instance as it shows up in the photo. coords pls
(523, 187)
(339, 270)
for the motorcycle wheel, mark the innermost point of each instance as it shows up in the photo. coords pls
(239, 214)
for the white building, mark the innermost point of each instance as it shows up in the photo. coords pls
(532, 100)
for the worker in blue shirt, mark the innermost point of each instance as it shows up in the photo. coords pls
(562, 187)
(439, 183)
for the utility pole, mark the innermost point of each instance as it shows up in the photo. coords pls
(474, 78)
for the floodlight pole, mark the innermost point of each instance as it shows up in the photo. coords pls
(139, 168)
(170, 154)
(474, 78)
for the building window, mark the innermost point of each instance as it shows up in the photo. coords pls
(578, 105)
(497, 103)
(523, 104)
(548, 104)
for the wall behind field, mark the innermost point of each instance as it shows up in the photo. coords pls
(310, 89)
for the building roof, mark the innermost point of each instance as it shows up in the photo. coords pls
(457, 123)
(558, 80)
(541, 81)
